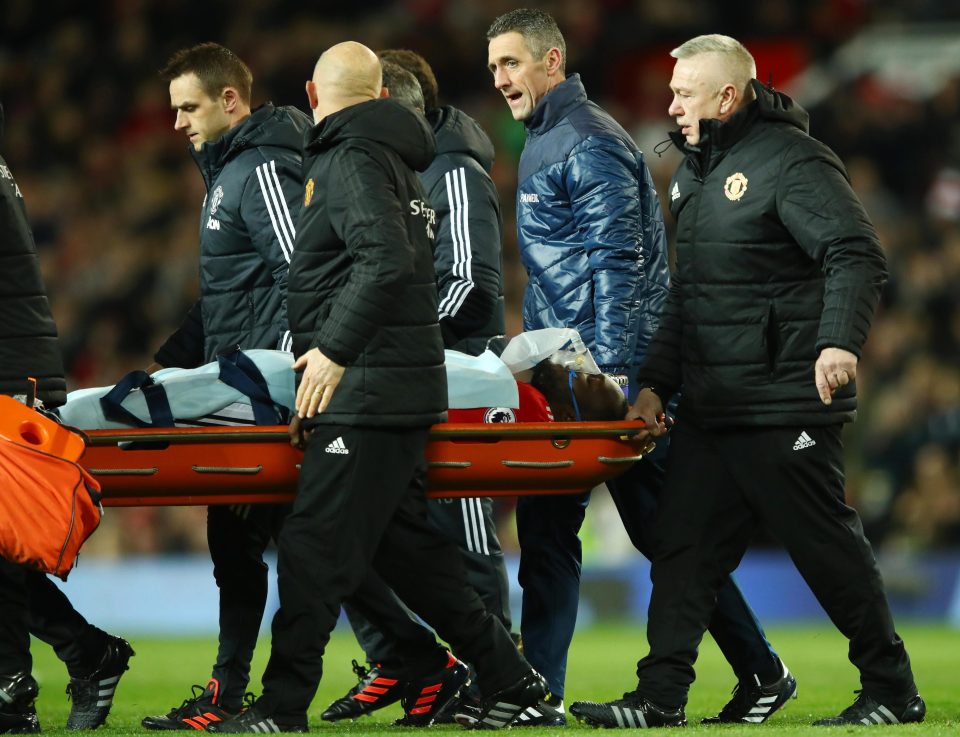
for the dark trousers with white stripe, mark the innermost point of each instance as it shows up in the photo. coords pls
(469, 524)
(550, 560)
(237, 537)
(366, 506)
(30, 603)
(720, 487)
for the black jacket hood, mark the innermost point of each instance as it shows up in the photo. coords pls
(457, 132)
(385, 121)
(772, 105)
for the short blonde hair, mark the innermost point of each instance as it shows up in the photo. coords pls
(738, 61)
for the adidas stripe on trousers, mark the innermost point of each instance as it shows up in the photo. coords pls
(354, 510)
(721, 485)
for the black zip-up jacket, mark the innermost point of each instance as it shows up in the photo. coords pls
(467, 254)
(362, 286)
(776, 260)
(253, 176)
(28, 335)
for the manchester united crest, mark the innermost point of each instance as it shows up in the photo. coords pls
(735, 186)
(308, 192)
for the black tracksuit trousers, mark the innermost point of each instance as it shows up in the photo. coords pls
(720, 486)
(237, 536)
(469, 524)
(360, 503)
(30, 603)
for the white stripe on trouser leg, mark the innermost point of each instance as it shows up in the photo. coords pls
(477, 524)
(484, 546)
(467, 538)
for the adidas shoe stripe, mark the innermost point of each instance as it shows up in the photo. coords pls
(629, 717)
(501, 714)
(882, 715)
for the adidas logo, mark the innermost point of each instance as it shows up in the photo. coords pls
(675, 192)
(804, 441)
(337, 446)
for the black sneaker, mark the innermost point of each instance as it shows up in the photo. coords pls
(502, 708)
(92, 696)
(632, 711)
(428, 700)
(377, 687)
(866, 710)
(258, 720)
(197, 712)
(754, 703)
(18, 715)
(547, 712)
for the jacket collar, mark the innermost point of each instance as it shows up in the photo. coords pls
(556, 105)
(214, 154)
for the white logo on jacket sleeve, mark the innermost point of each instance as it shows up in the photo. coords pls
(675, 192)
(529, 197)
(213, 224)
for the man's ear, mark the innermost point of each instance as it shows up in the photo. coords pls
(553, 60)
(230, 99)
(384, 92)
(728, 99)
(312, 94)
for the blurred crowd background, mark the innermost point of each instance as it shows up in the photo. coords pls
(114, 197)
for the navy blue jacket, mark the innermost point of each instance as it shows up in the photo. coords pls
(590, 229)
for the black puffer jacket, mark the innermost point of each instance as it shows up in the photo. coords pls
(253, 176)
(362, 287)
(467, 254)
(776, 260)
(28, 335)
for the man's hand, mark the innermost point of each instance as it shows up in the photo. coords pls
(298, 436)
(648, 408)
(320, 379)
(835, 367)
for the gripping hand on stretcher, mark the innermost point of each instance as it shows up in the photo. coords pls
(318, 383)
(648, 408)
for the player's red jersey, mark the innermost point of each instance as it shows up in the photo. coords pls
(533, 408)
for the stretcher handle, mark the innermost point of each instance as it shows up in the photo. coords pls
(122, 471)
(620, 459)
(252, 470)
(537, 464)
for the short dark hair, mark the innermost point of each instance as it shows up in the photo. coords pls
(215, 66)
(539, 31)
(419, 68)
(402, 84)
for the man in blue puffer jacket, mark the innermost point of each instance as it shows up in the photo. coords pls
(591, 237)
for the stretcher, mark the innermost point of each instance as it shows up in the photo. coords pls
(230, 465)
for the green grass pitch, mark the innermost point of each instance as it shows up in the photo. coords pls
(601, 667)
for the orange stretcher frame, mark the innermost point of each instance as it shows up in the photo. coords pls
(229, 465)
